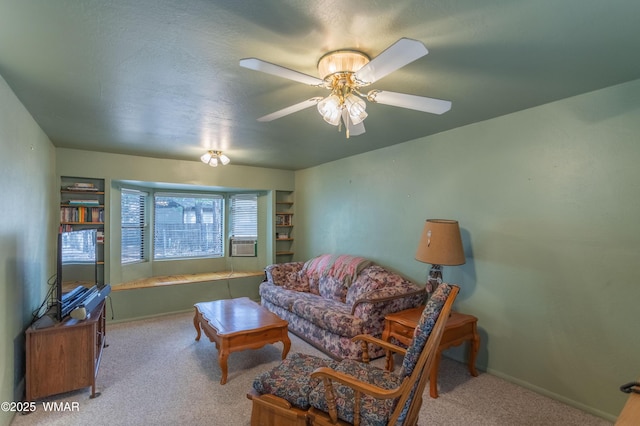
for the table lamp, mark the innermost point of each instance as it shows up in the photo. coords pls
(440, 245)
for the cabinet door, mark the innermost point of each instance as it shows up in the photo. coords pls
(60, 359)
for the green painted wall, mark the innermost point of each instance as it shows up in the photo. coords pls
(548, 200)
(27, 231)
(119, 170)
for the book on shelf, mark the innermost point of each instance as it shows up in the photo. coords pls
(65, 228)
(82, 186)
(283, 219)
(82, 214)
(84, 202)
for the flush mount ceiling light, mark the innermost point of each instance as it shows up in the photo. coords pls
(213, 157)
(344, 73)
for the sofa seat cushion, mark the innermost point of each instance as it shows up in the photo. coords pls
(291, 379)
(327, 314)
(372, 410)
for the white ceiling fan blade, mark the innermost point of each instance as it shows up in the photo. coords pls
(273, 69)
(290, 110)
(419, 103)
(396, 56)
(353, 129)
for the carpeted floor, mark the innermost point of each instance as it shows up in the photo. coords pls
(155, 373)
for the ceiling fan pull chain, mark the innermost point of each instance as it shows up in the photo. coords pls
(346, 125)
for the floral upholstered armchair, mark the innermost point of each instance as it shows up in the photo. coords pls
(305, 389)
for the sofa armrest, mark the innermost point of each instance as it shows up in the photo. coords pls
(371, 297)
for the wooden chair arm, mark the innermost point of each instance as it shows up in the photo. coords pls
(382, 343)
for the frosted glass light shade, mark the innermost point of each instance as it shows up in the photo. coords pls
(206, 157)
(330, 109)
(356, 108)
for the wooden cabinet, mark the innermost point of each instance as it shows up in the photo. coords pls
(284, 225)
(82, 207)
(65, 356)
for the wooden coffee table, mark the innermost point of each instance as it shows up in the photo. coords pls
(238, 324)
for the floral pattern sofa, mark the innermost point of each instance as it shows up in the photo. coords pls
(332, 298)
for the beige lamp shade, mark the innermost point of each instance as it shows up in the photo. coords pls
(441, 243)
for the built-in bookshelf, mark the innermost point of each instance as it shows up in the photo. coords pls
(82, 208)
(284, 226)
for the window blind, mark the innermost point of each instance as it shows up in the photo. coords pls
(132, 225)
(244, 216)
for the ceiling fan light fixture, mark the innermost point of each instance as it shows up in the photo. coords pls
(344, 73)
(341, 61)
(212, 157)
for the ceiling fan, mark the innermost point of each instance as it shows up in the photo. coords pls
(345, 73)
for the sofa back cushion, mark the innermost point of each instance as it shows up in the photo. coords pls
(332, 288)
(314, 269)
(288, 275)
(330, 275)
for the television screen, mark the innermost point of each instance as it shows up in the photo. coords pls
(76, 264)
(78, 258)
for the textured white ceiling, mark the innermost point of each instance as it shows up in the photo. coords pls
(161, 78)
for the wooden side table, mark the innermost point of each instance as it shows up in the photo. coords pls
(459, 328)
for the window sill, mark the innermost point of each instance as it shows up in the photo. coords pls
(166, 280)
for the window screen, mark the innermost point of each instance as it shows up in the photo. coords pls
(188, 225)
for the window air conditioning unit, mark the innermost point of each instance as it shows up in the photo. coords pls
(243, 247)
